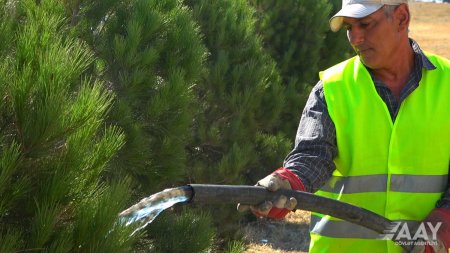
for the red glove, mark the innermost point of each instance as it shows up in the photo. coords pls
(279, 179)
(294, 180)
(440, 244)
(296, 184)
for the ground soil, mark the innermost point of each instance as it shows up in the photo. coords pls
(430, 27)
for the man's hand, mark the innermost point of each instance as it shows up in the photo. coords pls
(280, 179)
(429, 247)
(441, 244)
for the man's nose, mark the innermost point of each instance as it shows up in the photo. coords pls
(355, 36)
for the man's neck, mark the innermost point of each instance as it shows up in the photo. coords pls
(396, 74)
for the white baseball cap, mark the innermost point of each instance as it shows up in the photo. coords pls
(359, 9)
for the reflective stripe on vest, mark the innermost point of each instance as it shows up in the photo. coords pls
(345, 229)
(378, 183)
(396, 169)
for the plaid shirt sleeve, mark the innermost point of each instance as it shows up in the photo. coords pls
(315, 143)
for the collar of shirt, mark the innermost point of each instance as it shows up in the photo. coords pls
(420, 57)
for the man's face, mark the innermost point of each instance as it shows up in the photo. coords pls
(374, 38)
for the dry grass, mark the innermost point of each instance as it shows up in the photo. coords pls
(430, 27)
(290, 235)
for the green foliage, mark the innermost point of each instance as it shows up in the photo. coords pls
(272, 148)
(88, 17)
(336, 46)
(239, 100)
(187, 232)
(93, 231)
(236, 247)
(7, 25)
(239, 97)
(53, 142)
(151, 55)
(293, 32)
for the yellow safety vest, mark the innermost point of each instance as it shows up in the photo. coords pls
(398, 170)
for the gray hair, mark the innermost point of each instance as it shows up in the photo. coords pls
(389, 10)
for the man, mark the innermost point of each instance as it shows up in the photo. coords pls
(375, 133)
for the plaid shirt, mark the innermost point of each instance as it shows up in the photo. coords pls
(315, 143)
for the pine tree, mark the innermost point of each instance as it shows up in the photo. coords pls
(293, 32)
(240, 95)
(151, 54)
(54, 145)
(240, 98)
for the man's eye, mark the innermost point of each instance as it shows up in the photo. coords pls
(365, 24)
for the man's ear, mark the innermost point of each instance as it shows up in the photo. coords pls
(402, 17)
